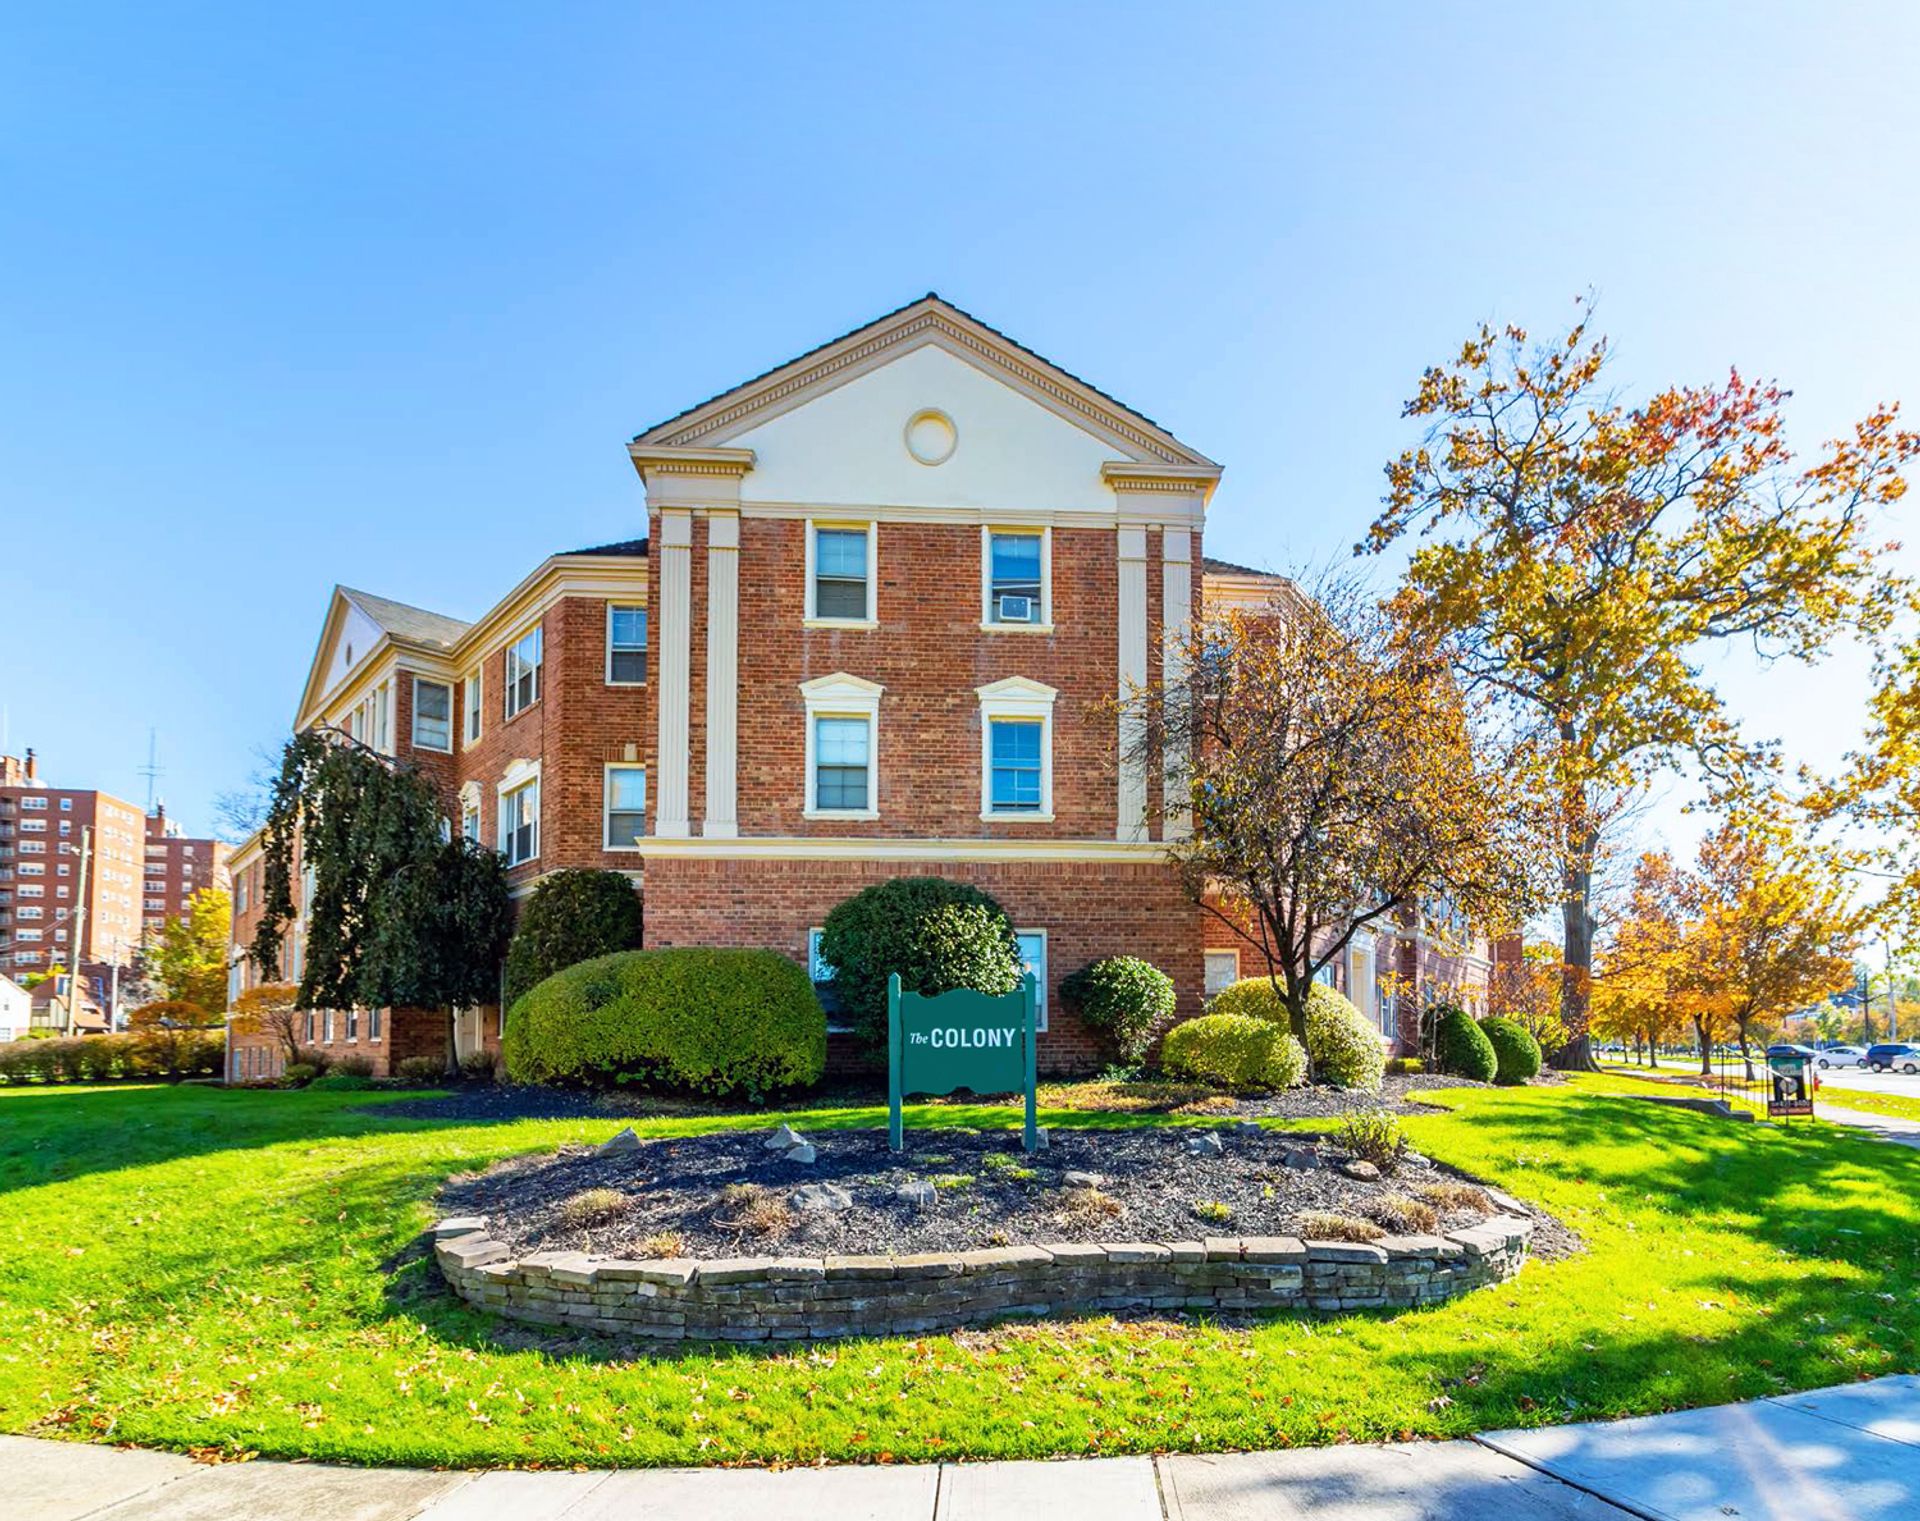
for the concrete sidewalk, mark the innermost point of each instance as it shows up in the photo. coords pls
(1851, 1452)
(1886, 1126)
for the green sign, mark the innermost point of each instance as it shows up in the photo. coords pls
(960, 1039)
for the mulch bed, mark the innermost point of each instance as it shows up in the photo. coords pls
(987, 1192)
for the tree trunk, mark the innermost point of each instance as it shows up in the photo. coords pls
(1706, 1049)
(1576, 971)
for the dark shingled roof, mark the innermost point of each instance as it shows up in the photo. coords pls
(1228, 568)
(931, 295)
(626, 547)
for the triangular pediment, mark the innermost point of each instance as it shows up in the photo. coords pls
(729, 419)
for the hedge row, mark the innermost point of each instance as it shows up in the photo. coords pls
(98, 1058)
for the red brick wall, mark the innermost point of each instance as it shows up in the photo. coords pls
(930, 654)
(1088, 909)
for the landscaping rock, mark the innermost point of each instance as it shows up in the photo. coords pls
(1206, 1144)
(784, 1139)
(1040, 1141)
(820, 1199)
(1247, 1127)
(626, 1140)
(1416, 1161)
(1081, 1180)
(1361, 1169)
(917, 1194)
(803, 1153)
(1302, 1159)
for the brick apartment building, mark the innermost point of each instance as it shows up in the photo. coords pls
(895, 578)
(136, 873)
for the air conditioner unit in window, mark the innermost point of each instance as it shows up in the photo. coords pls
(1016, 609)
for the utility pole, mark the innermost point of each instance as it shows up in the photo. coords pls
(1893, 1009)
(79, 924)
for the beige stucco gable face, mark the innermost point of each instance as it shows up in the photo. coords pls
(356, 635)
(986, 444)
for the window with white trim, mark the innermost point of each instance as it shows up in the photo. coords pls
(840, 581)
(32, 804)
(432, 715)
(1016, 750)
(523, 672)
(470, 706)
(373, 1025)
(626, 645)
(842, 745)
(1033, 958)
(624, 806)
(520, 822)
(1016, 577)
(470, 820)
(353, 1024)
(1222, 971)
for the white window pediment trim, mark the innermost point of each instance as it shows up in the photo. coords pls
(1016, 697)
(843, 696)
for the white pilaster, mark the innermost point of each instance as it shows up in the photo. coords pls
(1132, 824)
(723, 674)
(1176, 627)
(676, 665)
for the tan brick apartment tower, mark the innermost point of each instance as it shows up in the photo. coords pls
(883, 592)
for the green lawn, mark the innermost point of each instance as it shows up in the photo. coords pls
(191, 1267)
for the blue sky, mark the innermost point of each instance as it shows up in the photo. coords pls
(375, 294)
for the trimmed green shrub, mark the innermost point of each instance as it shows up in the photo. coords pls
(1406, 1066)
(709, 1021)
(340, 1082)
(1516, 1053)
(353, 1065)
(1460, 1046)
(420, 1069)
(572, 916)
(477, 1066)
(299, 1073)
(1234, 1051)
(103, 1058)
(937, 934)
(1127, 1000)
(1346, 1050)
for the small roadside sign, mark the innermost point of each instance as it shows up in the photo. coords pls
(1790, 1089)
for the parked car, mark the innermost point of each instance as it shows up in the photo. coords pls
(1843, 1056)
(1790, 1048)
(1889, 1056)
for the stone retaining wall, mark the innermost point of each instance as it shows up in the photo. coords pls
(792, 1298)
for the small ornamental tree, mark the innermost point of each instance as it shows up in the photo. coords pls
(937, 934)
(397, 916)
(188, 958)
(271, 1009)
(1129, 1001)
(572, 916)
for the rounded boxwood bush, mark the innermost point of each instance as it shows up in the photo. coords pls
(1234, 1051)
(572, 916)
(937, 934)
(1516, 1053)
(1461, 1046)
(1346, 1049)
(702, 1020)
(1127, 1000)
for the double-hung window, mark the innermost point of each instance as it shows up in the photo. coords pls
(842, 764)
(626, 645)
(432, 715)
(470, 704)
(843, 727)
(840, 573)
(520, 822)
(1017, 593)
(523, 672)
(470, 820)
(1016, 765)
(625, 806)
(1016, 750)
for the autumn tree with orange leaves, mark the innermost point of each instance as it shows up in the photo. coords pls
(1578, 555)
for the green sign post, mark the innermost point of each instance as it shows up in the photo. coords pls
(960, 1039)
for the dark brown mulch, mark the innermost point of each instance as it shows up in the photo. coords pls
(1401, 1094)
(987, 1191)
